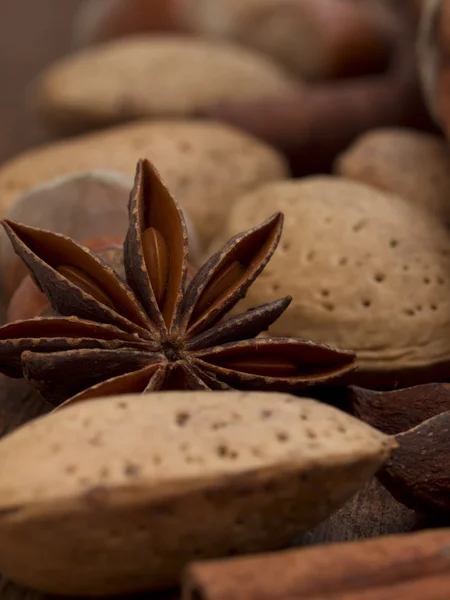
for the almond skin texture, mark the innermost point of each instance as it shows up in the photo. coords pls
(204, 164)
(409, 163)
(123, 492)
(367, 270)
(152, 76)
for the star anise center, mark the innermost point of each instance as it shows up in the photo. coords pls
(172, 349)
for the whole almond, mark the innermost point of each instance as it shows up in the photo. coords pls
(412, 164)
(367, 270)
(204, 164)
(159, 76)
(123, 492)
(312, 39)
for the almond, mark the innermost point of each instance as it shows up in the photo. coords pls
(204, 164)
(312, 39)
(159, 76)
(123, 492)
(409, 163)
(368, 272)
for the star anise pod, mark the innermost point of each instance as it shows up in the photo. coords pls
(150, 333)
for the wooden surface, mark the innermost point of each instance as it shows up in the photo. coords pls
(32, 34)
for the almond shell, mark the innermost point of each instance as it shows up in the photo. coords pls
(204, 164)
(123, 492)
(367, 270)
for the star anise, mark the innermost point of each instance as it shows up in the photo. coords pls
(150, 333)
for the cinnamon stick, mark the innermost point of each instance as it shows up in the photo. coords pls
(387, 567)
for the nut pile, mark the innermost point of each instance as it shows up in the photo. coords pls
(288, 228)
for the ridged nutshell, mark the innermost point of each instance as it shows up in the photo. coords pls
(367, 270)
(417, 473)
(396, 411)
(123, 493)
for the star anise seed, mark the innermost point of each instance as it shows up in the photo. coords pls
(154, 331)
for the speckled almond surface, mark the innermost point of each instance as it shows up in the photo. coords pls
(203, 163)
(122, 492)
(368, 271)
(412, 164)
(152, 76)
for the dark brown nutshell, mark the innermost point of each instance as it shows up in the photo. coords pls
(418, 472)
(155, 331)
(400, 410)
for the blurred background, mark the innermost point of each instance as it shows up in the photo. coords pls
(355, 39)
(32, 34)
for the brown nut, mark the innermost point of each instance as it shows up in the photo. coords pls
(409, 163)
(417, 474)
(406, 567)
(204, 164)
(368, 272)
(399, 410)
(312, 39)
(156, 77)
(147, 483)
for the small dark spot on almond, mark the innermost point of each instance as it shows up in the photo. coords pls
(182, 418)
(132, 470)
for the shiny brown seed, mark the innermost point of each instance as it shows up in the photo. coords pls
(85, 283)
(156, 256)
(272, 367)
(219, 285)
